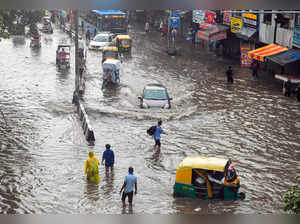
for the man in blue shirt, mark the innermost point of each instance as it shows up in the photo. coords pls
(130, 181)
(109, 157)
(157, 133)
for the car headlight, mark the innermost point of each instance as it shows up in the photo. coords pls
(145, 105)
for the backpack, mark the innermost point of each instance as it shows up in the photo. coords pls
(151, 130)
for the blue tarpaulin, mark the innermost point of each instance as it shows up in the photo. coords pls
(109, 12)
(286, 57)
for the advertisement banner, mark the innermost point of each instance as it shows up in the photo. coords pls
(226, 18)
(198, 16)
(235, 24)
(245, 60)
(296, 37)
(210, 17)
(250, 20)
(175, 20)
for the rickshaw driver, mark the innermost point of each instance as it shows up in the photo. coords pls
(231, 178)
(62, 55)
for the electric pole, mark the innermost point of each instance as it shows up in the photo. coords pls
(76, 92)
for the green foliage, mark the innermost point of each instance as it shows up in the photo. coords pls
(292, 198)
(13, 21)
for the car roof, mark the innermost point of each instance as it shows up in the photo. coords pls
(104, 34)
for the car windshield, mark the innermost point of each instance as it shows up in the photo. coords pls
(155, 94)
(101, 38)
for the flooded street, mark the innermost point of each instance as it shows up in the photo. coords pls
(43, 149)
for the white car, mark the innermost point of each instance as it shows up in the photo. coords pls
(101, 40)
(155, 95)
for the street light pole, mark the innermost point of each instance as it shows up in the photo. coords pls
(76, 92)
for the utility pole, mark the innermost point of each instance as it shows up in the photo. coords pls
(76, 92)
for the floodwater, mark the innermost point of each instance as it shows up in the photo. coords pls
(43, 149)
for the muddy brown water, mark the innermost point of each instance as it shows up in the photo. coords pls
(43, 150)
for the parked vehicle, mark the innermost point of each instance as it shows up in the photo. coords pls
(63, 56)
(155, 95)
(201, 177)
(100, 41)
(111, 72)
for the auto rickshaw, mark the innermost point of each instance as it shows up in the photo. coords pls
(47, 27)
(123, 43)
(201, 177)
(35, 41)
(110, 53)
(111, 72)
(63, 56)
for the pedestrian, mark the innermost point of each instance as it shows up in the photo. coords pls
(161, 25)
(147, 27)
(255, 67)
(130, 181)
(157, 133)
(173, 33)
(109, 158)
(287, 88)
(229, 75)
(95, 32)
(91, 168)
(298, 92)
(88, 35)
(164, 30)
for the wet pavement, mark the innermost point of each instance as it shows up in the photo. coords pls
(43, 149)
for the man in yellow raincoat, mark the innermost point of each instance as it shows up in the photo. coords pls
(91, 168)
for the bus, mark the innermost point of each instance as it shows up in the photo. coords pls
(114, 21)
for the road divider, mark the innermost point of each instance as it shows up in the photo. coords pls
(85, 122)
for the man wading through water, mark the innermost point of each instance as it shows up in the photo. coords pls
(129, 183)
(157, 133)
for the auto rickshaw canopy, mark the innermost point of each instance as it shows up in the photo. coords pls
(184, 171)
(110, 48)
(123, 37)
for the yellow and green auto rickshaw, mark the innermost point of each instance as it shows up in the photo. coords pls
(123, 43)
(110, 53)
(202, 177)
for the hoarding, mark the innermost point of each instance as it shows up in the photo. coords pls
(235, 24)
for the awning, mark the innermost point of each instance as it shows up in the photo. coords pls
(261, 53)
(246, 33)
(285, 57)
(292, 78)
(214, 33)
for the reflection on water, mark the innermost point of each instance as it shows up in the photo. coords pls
(42, 156)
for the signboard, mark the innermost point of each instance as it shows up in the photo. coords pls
(226, 18)
(250, 20)
(210, 17)
(245, 60)
(235, 24)
(296, 37)
(205, 35)
(175, 20)
(198, 16)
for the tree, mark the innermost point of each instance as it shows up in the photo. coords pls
(3, 27)
(292, 197)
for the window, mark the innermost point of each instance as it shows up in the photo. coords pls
(267, 18)
(283, 21)
(297, 22)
